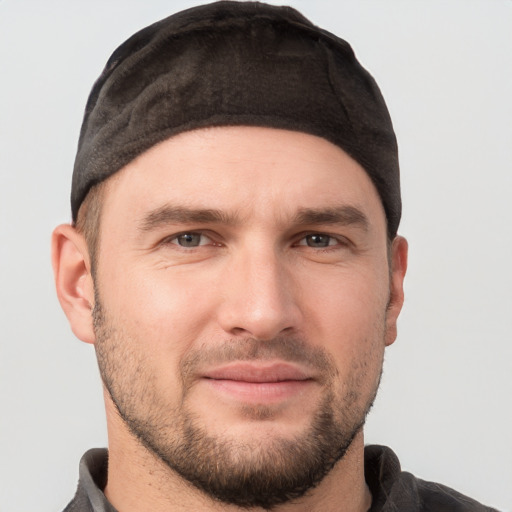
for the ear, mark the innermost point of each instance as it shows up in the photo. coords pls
(399, 250)
(73, 280)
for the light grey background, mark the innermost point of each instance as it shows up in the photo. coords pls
(445, 68)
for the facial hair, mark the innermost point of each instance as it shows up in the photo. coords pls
(246, 473)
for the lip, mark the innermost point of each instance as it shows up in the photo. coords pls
(268, 382)
(258, 372)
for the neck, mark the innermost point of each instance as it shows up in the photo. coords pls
(139, 481)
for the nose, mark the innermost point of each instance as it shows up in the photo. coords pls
(259, 298)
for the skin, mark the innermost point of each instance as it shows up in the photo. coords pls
(258, 276)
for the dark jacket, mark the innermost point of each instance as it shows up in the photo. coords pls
(393, 490)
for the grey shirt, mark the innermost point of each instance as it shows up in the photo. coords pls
(393, 490)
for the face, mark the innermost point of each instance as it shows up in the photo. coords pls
(243, 300)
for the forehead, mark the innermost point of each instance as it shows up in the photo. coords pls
(248, 170)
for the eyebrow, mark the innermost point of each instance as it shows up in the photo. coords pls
(183, 215)
(342, 215)
(167, 214)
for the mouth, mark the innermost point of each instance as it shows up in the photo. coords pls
(263, 383)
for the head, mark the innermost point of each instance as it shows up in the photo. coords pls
(239, 273)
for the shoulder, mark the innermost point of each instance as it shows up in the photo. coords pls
(396, 490)
(436, 497)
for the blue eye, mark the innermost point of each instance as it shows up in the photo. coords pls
(190, 240)
(318, 240)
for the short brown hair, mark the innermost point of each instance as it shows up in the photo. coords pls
(88, 221)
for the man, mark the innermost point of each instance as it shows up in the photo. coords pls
(234, 258)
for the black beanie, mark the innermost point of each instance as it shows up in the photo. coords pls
(235, 63)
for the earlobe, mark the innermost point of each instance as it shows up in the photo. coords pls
(399, 251)
(73, 280)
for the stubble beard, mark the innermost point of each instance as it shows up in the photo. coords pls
(246, 473)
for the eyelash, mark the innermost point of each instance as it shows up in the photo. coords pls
(340, 241)
(173, 240)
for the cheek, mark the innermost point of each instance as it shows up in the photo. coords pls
(347, 303)
(158, 307)
(347, 316)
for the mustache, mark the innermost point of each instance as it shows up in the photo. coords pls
(286, 348)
